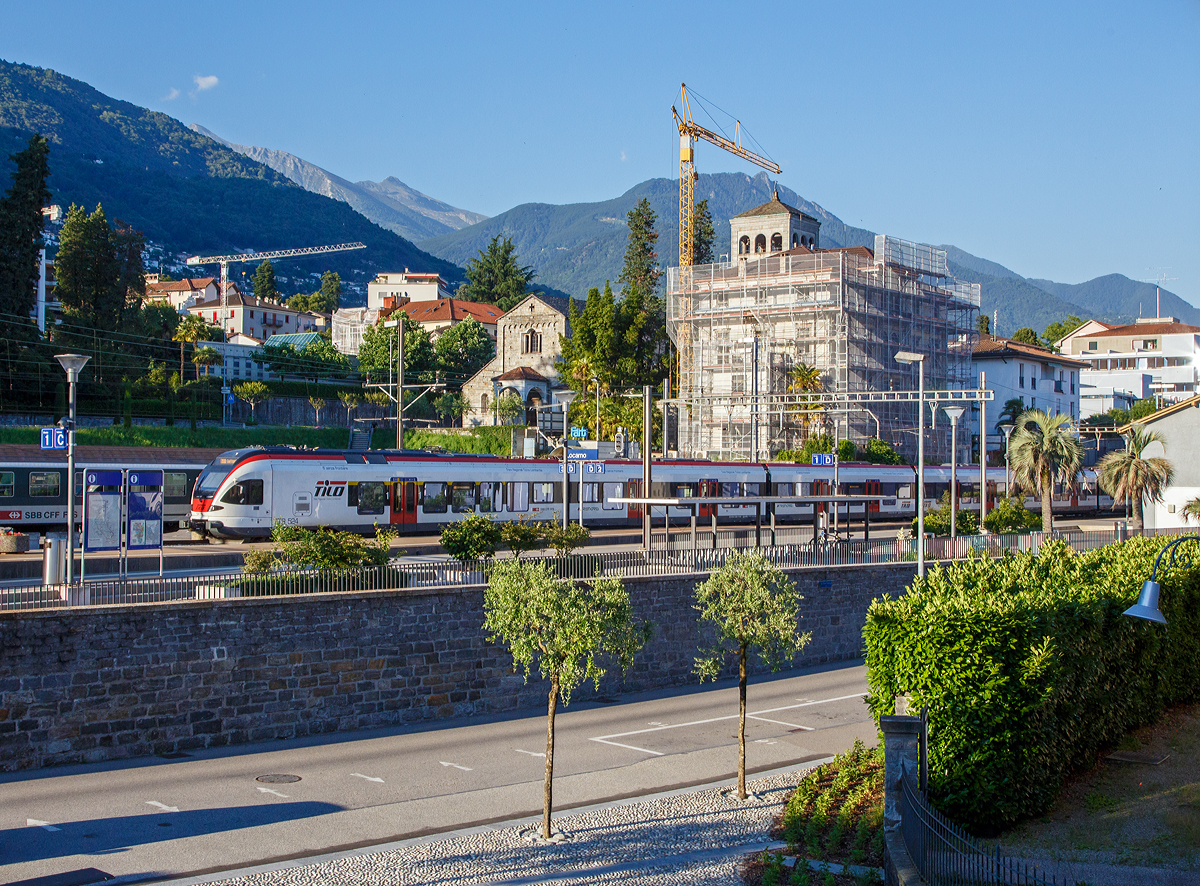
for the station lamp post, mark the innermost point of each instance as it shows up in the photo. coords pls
(909, 357)
(1006, 428)
(565, 397)
(955, 413)
(73, 364)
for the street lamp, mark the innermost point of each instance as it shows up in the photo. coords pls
(909, 357)
(72, 363)
(565, 397)
(1147, 604)
(955, 413)
(1006, 427)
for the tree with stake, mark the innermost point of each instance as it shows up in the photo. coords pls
(751, 605)
(252, 392)
(317, 403)
(561, 628)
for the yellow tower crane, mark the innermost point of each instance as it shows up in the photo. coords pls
(689, 131)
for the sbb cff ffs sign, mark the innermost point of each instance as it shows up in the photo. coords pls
(54, 438)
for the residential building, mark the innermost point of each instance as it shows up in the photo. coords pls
(1179, 425)
(437, 316)
(742, 327)
(527, 347)
(181, 294)
(1119, 357)
(250, 316)
(241, 360)
(411, 286)
(1038, 377)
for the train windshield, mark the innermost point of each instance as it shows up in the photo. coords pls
(210, 478)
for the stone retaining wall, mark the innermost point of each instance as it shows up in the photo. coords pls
(124, 681)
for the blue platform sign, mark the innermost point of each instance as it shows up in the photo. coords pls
(824, 459)
(586, 467)
(102, 510)
(54, 438)
(145, 514)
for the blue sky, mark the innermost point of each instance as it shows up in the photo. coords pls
(1060, 140)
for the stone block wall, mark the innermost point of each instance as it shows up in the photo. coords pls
(125, 681)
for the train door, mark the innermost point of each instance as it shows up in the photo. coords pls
(874, 487)
(708, 489)
(634, 491)
(404, 501)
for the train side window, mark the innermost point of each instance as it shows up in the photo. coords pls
(462, 497)
(543, 493)
(784, 488)
(44, 484)
(245, 492)
(612, 490)
(518, 497)
(8, 484)
(751, 489)
(434, 500)
(490, 501)
(591, 493)
(731, 490)
(904, 490)
(175, 484)
(372, 497)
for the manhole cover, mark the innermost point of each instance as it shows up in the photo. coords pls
(278, 779)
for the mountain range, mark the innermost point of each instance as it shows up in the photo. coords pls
(193, 192)
(390, 203)
(183, 190)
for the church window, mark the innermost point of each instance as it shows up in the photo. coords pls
(531, 342)
(776, 242)
(744, 245)
(760, 243)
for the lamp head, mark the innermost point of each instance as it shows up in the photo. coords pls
(1006, 427)
(1147, 604)
(564, 397)
(955, 412)
(72, 363)
(909, 357)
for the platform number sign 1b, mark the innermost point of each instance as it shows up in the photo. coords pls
(823, 459)
(54, 438)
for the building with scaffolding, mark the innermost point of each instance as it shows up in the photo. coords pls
(756, 334)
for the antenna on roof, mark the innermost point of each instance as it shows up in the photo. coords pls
(1159, 279)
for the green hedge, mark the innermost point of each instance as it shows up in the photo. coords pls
(1029, 669)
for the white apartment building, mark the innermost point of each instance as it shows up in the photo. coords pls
(414, 287)
(241, 360)
(249, 316)
(1121, 358)
(181, 294)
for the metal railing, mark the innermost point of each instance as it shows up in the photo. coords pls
(945, 855)
(790, 551)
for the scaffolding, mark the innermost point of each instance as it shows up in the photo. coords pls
(743, 327)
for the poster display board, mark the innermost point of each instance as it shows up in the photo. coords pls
(102, 510)
(145, 511)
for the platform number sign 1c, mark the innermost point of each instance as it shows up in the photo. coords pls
(54, 438)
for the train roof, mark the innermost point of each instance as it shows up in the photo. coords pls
(16, 453)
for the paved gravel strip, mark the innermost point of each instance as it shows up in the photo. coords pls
(696, 837)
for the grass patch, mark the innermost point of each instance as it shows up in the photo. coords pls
(834, 815)
(478, 441)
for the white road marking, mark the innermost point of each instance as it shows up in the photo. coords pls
(455, 766)
(367, 777)
(779, 722)
(757, 715)
(276, 793)
(44, 825)
(162, 806)
(764, 741)
(530, 753)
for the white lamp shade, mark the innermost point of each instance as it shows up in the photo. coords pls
(72, 363)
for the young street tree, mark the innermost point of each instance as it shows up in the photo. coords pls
(751, 605)
(495, 277)
(561, 629)
(252, 392)
(1044, 451)
(1127, 475)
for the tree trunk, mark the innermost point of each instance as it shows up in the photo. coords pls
(1138, 525)
(548, 788)
(181, 362)
(1047, 503)
(742, 724)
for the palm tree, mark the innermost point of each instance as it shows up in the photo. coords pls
(1191, 510)
(206, 357)
(1013, 407)
(1127, 476)
(1044, 452)
(805, 379)
(190, 330)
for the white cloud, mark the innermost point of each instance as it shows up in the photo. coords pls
(623, 157)
(203, 83)
(172, 95)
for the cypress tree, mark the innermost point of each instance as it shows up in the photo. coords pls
(640, 270)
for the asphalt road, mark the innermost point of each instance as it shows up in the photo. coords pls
(153, 818)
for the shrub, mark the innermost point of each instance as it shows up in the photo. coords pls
(522, 535)
(937, 522)
(1029, 668)
(1010, 515)
(298, 548)
(475, 538)
(566, 539)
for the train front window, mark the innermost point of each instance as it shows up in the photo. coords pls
(244, 492)
(210, 481)
(44, 484)
(8, 484)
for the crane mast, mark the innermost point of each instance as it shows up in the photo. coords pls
(226, 260)
(689, 131)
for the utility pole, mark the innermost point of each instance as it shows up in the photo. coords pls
(647, 415)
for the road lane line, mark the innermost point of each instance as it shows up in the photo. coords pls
(44, 825)
(530, 753)
(779, 722)
(455, 766)
(367, 777)
(162, 806)
(617, 744)
(276, 793)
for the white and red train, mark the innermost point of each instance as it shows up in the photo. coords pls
(243, 493)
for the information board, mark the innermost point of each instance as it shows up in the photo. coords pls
(102, 510)
(143, 528)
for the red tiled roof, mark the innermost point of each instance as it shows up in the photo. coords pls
(774, 206)
(1146, 328)
(994, 346)
(521, 373)
(187, 284)
(452, 310)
